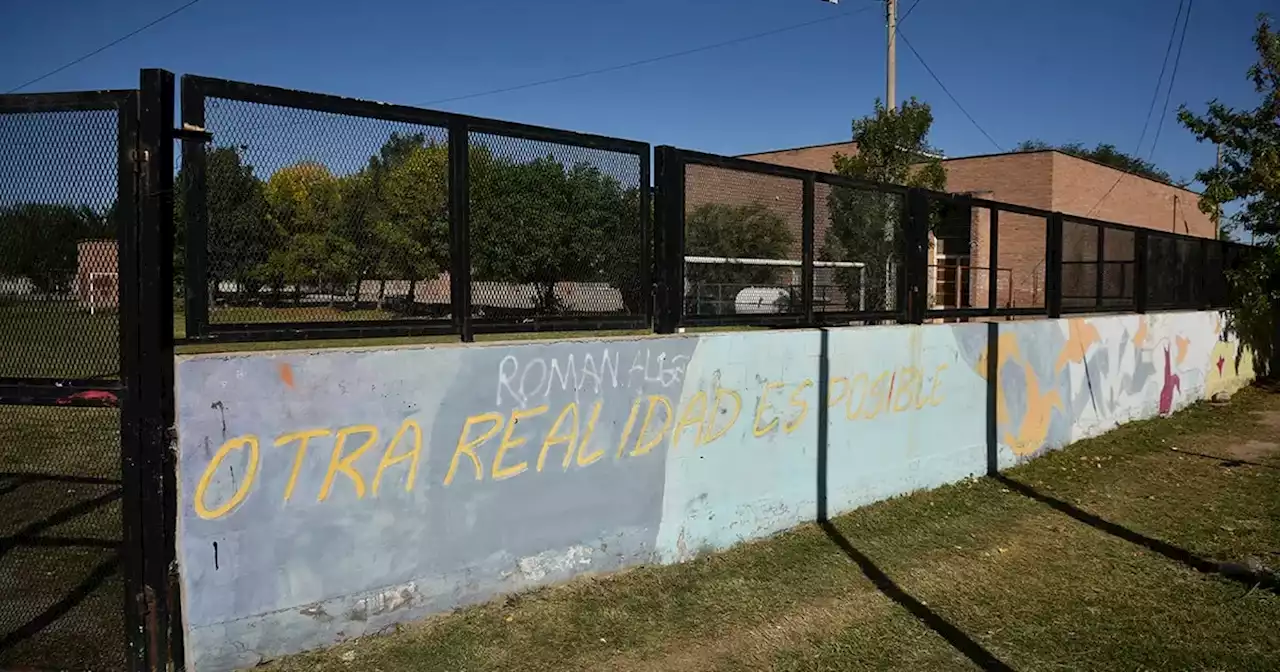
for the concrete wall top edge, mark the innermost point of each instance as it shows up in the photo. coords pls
(242, 354)
(301, 349)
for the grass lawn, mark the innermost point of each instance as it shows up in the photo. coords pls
(61, 592)
(62, 340)
(1099, 557)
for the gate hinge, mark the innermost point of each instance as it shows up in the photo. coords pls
(190, 132)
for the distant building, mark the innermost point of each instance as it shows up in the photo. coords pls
(97, 283)
(1047, 180)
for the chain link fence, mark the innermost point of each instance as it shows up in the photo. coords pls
(61, 586)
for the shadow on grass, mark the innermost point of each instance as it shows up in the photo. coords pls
(29, 534)
(956, 637)
(1227, 461)
(12, 480)
(51, 576)
(1229, 570)
(96, 578)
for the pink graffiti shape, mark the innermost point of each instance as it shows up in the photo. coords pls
(90, 398)
(1171, 383)
(1221, 361)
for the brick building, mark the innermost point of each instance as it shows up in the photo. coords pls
(1047, 180)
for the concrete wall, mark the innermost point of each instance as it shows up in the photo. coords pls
(328, 494)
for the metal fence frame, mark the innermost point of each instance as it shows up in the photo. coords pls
(145, 383)
(912, 292)
(669, 237)
(196, 90)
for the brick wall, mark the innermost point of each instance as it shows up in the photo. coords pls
(1079, 184)
(97, 277)
(1022, 179)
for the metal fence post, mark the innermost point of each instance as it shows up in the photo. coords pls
(646, 239)
(993, 274)
(154, 375)
(1140, 271)
(916, 269)
(460, 228)
(195, 214)
(806, 253)
(1053, 265)
(132, 549)
(1101, 258)
(669, 238)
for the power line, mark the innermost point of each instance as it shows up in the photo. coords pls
(907, 13)
(646, 61)
(946, 90)
(101, 49)
(1172, 76)
(1164, 64)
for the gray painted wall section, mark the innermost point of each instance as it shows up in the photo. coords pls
(273, 576)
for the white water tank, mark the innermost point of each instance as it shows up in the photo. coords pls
(760, 300)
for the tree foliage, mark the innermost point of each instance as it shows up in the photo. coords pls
(893, 147)
(40, 242)
(742, 231)
(1249, 177)
(306, 230)
(238, 242)
(541, 222)
(1103, 153)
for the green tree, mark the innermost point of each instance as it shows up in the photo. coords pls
(1249, 177)
(411, 229)
(39, 242)
(1103, 153)
(865, 224)
(742, 231)
(239, 237)
(541, 222)
(303, 203)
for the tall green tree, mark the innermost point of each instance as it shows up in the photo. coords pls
(303, 203)
(893, 147)
(394, 213)
(239, 236)
(39, 242)
(1103, 153)
(412, 229)
(541, 222)
(1249, 178)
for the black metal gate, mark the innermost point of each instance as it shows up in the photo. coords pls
(81, 383)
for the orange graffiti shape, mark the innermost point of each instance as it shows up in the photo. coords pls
(286, 375)
(1080, 336)
(1184, 344)
(1143, 331)
(1026, 434)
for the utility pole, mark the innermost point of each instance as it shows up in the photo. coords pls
(891, 56)
(891, 60)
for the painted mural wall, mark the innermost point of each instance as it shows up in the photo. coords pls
(328, 494)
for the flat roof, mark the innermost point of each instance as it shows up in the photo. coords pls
(988, 156)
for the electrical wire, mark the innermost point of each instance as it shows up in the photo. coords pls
(948, 91)
(646, 61)
(1172, 76)
(103, 48)
(908, 12)
(1164, 65)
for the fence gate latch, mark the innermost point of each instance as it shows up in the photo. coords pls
(190, 132)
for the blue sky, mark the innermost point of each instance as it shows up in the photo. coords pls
(1058, 70)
